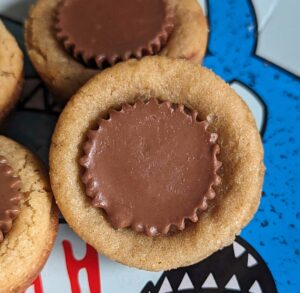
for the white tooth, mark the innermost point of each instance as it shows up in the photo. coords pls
(233, 284)
(210, 282)
(186, 283)
(238, 249)
(255, 288)
(165, 287)
(251, 262)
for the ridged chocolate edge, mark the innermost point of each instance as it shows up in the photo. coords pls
(151, 48)
(13, 212)
(92, 188)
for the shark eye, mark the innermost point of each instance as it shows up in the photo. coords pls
(254, 102)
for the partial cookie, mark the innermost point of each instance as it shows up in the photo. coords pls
(29, 225)
(83, 197)
(11, 71)
(64, 75)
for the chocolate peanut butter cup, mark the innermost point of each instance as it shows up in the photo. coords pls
(151, 166)
(166, 146)
(102, 32)
(10, 197)
(122, 162)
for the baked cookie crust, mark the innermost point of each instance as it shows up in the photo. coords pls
(11, 71)
(27, 246)
(64, 75)
(181, 82)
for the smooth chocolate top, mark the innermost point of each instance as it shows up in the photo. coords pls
(150, 166)
(113, 30)
(10, 197)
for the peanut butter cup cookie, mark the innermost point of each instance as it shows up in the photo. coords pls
(28, 217)
(11, 71)
(70, 41)
(157, 163)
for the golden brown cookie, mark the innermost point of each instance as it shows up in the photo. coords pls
(27, 245)
(241, 153)
(11, 71)
(64, 75)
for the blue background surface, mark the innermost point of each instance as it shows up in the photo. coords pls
(275, 230)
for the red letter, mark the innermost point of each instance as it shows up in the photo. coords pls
(89, 262)
(37, 284)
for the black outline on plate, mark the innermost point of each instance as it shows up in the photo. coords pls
(6, 18)
(207, 50)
